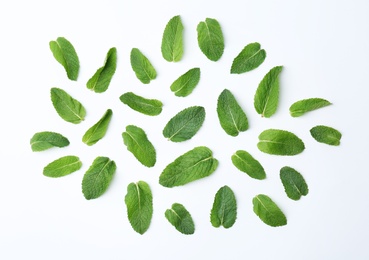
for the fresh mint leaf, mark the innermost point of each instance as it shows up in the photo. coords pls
(326, 135)
(246, 163)
(68, 108)
(62, 166)
(44, 140)
(224, 211)
(293, 183)
(66, 55)
(210, 39)
(139, 145)
(98, 130)
(191, 166)
(306, 105)
(181, 219)
(280, 142)
(100, 81)
(139, 206)
(142, 67)
(98, 177)
(251, 57)
(150, 107)
(268, 211)
(267, 94)
(186, 83)
(231, 116)
(172, 42)
(184, 125)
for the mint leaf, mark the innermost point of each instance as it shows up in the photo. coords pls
(181, 219)
(151, 107)
(191, 166)
(293, 183)
(184, 125)
(100, 81)
(210, 39)
(267, 94)
(246, 163)
(306, 105)
(139, 206)
(231, 116)
(280, 142)
(98, 130)
(68, 108)
(98, 177)
(268, 211)
(326, 135)
(172, 42)
(66, 55)
(62, 166)
(185, 84)
(44, 140)
(142, 67)
(137, 143)
(248, 59)
(224, 211)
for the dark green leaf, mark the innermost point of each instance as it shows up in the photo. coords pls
(306, 105)
(44, 140)
(172, 42)
(224, 211)
(98, 130)
(185, 84)
(268, 211)
(181, 219)
(293, 183)
(249, 58)
(62, 166)
(210, 39)
(246, 163)
(142, 67)
(326, 135)
(151, 107)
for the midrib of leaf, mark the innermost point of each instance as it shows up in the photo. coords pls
(64, 166)
(268, 141)
(203, 160)
(69, 107)
(242, 159)
(209, 35)
(176, 213)
(222, 209)
(175, 40)
(183, 85)
(257, 197)
(66, 61)
(97, 80)
(267, 100)
(139, 205)
(249, 58)
(139, 146)
(297, 189)
(145, 104)
(98, 174)
(95, 129)
(234, 122)
(187, 122)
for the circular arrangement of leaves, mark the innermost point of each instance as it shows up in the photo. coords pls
(199, 162)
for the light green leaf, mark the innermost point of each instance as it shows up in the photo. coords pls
(172, 42)
(293, 183)
(139, 206)
(246, 163)
(224, 211)
(62, 166)
(191, 166)
(151, 107)
(68, 108)
(267, 94)
(280, 142)
(184, 125)
(326, 135)
(268, 211)
(251, 57)
(98, 130)
(137, 143)
(98, 177)
(231, 116)
(44, 140)
(100, 81)
(185, 84)
(306, 105)
(181, 219)
(210, 39)
(66, 55)
(142, 67)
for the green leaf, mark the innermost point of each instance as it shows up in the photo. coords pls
(210, 39)
(224, 211)
(172, 42)
(251, 57)
(306, 105)
(98, 177)
(246, 163)
(139, 206)
(181, 219)
(98, 130)
(184, 125)
(191, 166)
(326, 135)
(268, 211)
(100, 81)
(142, 67)
(267, 94)
(44, 140)
(185, 84)
(137, 143)
(231, 116)
(151, 107)
(66, 55)
(280, 142)
(293, 183)
(68, 108)
(62, 166)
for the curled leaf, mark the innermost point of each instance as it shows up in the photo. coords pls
(150, 107)
(306, 105)
(180, 218)
(142, 67)
(44, 140)
(326, 135)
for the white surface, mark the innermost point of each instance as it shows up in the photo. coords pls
(324, 47)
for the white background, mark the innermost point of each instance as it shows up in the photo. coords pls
(324, 48)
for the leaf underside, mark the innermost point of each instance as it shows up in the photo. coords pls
(301, 107)
(326, 135)
(98, 130)
(251, 57)
(293, 183)
(42, 141)
(142, 67)
(150, 107)
(246, 163)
